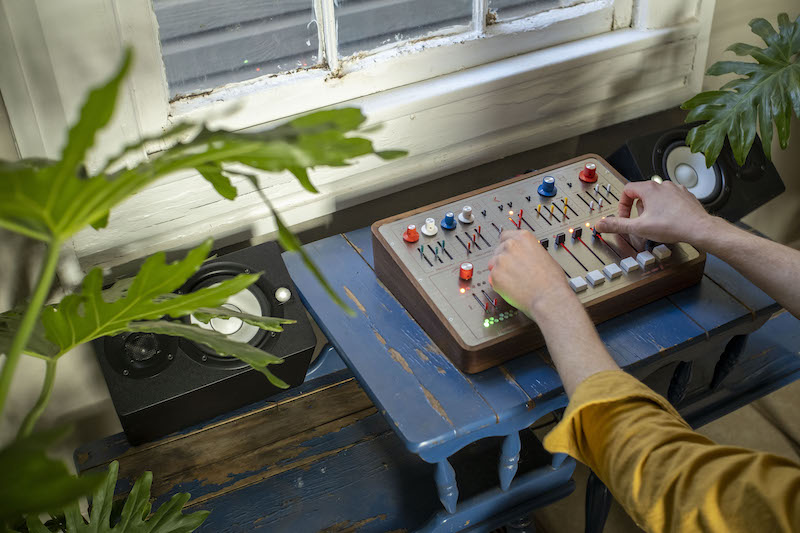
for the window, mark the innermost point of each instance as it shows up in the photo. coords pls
(457, 83)
(210, 43)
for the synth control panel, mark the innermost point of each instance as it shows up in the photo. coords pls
(435, 259)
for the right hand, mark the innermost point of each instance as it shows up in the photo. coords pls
(667, 213)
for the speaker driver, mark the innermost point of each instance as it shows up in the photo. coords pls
(689, 170)
(255, 300)
(140, 355)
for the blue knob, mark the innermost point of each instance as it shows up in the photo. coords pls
(548, 186)
(449, 221)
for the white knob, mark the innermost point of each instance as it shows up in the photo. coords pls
(466, 215)
(283, 294)
(430, 228)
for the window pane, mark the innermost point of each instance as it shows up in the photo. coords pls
(208, 43)
(368, 24)
(509, 9)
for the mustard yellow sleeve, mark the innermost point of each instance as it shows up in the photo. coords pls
(666, 476)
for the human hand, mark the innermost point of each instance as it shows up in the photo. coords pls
(667, 213)
(526, 276)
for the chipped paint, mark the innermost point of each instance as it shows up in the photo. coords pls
(432, 348)
(399, 359)
(351, 243)
(378, 336)
(350, 527)
(435, 404)
(507, 375)
(352, 296)
(441, 370)
(422, 355)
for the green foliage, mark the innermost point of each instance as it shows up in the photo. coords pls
(85, 316)
(218, 342)
(768, 92)
(52, 200)
(34, 483)
(133, 518)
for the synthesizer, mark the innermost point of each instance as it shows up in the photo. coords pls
(435, 259)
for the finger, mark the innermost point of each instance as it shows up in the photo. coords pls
(617, 225)
(492, 262)
(508, 235)
(632, 192)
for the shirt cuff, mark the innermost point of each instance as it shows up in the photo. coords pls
(601, 389)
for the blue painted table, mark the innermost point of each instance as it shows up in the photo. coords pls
(327, 457)
(679, 345)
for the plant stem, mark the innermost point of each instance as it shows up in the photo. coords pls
(44, 397)
(28, 322)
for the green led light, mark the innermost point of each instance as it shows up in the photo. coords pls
(486, 324)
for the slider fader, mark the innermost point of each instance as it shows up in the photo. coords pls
(435, 259)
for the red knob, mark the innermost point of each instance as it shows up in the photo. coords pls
(589, 173)
(465, 272)
(411, 234)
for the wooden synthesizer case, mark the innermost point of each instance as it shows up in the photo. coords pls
(435, 259)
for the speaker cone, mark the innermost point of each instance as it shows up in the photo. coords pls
(680, 165)
(255, 300)
(688, 169)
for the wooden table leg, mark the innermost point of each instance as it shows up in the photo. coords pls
(509, 459)
(445, 478)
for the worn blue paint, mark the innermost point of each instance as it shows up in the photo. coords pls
(367, 482)
(105, 450)
(491, 503)
(327, 362)
(770, 360)
(445, 478)
(436, 409)
(509, 460)
(728, 278)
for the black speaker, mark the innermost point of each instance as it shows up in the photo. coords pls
(160, 384)
(726, 189)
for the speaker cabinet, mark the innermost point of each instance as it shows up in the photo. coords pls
(726, 189)
(160, 384)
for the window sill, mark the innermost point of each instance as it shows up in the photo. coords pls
(448, 123)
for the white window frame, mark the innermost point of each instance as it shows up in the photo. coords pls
(453, 101)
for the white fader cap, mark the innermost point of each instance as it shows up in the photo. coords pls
(430, 228)
(466, 215)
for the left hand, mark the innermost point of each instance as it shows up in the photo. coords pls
(526, 276)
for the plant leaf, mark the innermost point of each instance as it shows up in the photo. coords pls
(85, 316)
(768, 92)
(221, 183)
(38, 344)
(291, 243)
(31, 482)
(218, 342)
(388, 155)
(95, 114)
(269, 323)
(169, 517)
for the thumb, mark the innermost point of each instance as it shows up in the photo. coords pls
(616, 225)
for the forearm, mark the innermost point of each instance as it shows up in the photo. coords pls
(572, 340)
(666, 476)
(773, 267)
